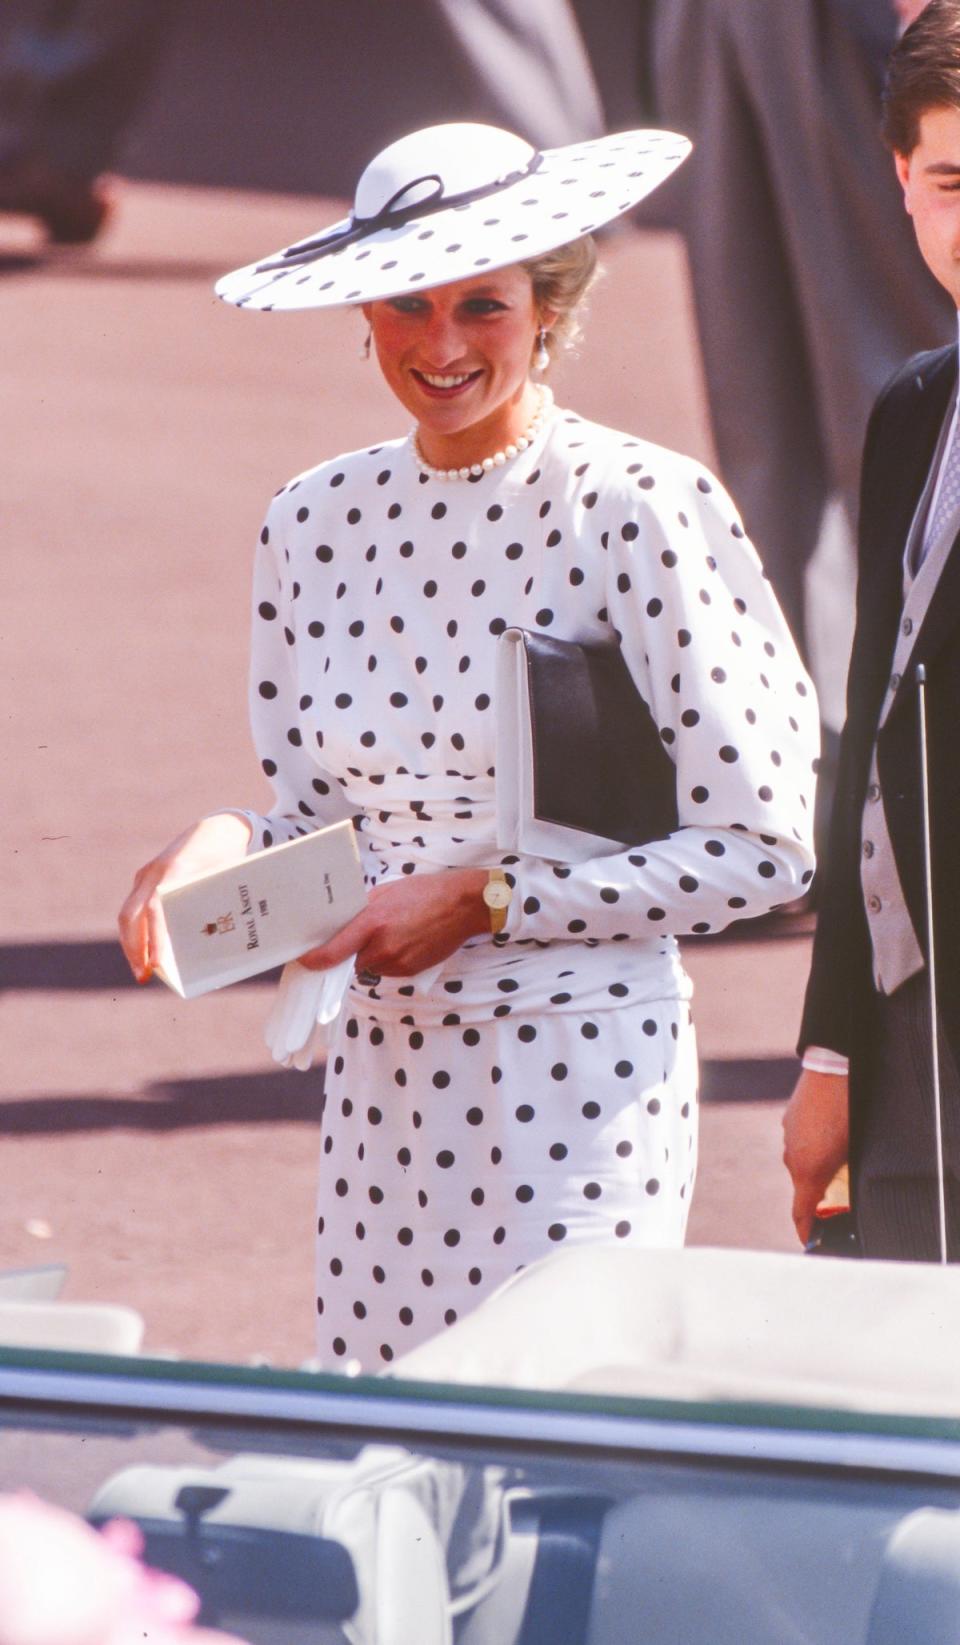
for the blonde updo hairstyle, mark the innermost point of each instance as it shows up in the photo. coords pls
(561, 279)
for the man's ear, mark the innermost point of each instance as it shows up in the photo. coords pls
(902, 166)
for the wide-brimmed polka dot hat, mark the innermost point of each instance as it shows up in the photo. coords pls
(450, 201)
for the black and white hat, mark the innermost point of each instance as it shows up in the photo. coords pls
(450, 201)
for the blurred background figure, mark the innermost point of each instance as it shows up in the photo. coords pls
(71, 74)
(532, 64)
(808, 285)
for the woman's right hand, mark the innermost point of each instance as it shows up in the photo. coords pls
(213, 842)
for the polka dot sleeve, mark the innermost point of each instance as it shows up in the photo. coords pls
(306, 797)
(712, 656)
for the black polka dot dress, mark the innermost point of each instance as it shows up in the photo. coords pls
(541, 1090)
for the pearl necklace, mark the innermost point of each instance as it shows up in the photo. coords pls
(499, 458)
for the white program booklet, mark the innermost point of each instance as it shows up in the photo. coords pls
(268, 908)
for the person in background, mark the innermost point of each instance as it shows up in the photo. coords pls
(72, 73)
(530, 63)
(865, 1093)
(807, 283)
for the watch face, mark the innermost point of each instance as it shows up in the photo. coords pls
(496, 894)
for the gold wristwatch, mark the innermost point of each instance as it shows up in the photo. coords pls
(496, 894)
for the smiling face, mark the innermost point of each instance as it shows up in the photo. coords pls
(458, 358)
(930, 178)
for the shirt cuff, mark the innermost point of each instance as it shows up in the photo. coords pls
(818, 1060)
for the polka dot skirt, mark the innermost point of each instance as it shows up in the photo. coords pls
(542, 1090)
(451, 1159)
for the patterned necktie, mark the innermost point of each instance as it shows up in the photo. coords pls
(945, 516)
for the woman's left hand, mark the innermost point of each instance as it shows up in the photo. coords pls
(409, 925)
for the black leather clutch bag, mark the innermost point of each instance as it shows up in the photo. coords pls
(581, 769)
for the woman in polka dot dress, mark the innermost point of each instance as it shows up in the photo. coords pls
(497, 1087)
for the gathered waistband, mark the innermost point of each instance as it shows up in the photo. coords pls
(440, 822)
(484, 981)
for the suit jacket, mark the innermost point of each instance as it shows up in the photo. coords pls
(900, 443)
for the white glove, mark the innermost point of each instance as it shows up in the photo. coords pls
(307, 1002)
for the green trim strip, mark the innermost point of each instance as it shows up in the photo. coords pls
(712, 1413)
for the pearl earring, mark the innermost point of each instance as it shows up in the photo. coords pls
(364, 349)
(541, 359)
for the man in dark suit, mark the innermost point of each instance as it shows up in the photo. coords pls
(865, 1093)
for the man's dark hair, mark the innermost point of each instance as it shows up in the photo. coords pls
(923, 74)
